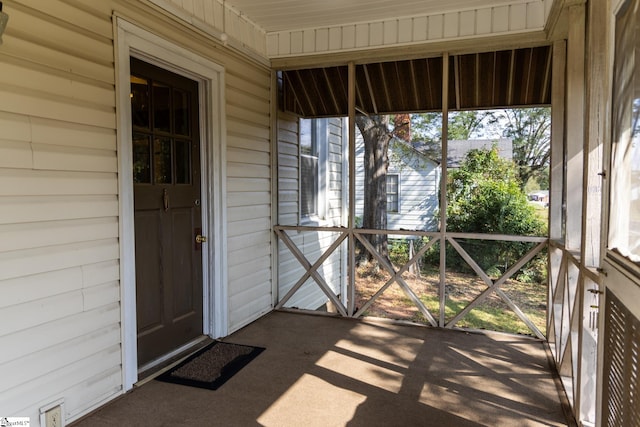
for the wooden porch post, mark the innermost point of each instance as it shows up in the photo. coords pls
(575, 127)
(577, 147)
(597, 130)
(352, 187)
(557, 140)
(443, 185)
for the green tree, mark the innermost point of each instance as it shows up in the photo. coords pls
(376, 133)
(530, 131)
(528, 128)
(462, 125)
(468, 124)
(485, 196)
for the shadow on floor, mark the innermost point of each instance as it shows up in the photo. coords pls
(320, 371)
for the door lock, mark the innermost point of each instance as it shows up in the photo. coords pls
(201, 239)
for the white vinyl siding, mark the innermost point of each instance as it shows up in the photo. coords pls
(60, 285)
(59, 271)
(248, 193)
(311, 243)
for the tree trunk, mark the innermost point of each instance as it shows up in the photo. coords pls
(374, 130)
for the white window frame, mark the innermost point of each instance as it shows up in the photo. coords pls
(397, 193)
(319, 131)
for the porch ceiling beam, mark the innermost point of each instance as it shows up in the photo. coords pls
(414, 83)
(385, 83)
(303, 88)
(289, 83)
(429, 85)
(404, 104)
(331, 90)
(494, 77)
(527, 90)
(476, 82)
(456, 80)
(510, 79)
(371, 91)
(317, 93)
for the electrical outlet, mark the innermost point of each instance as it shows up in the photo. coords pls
(53, 417)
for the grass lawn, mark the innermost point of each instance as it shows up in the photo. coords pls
(491, 314)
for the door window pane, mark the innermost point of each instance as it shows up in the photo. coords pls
(181, 112)
(183, 162)
(162, 160)
(161, 107)
(141, 159)
(140, 102)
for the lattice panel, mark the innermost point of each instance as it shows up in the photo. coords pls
(621, 399)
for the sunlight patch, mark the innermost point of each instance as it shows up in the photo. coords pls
(316, 396)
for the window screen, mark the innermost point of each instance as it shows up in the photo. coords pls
(624, 219)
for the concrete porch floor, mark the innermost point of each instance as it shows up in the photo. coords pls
(322, 371)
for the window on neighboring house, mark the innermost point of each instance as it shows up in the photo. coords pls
(393, 204)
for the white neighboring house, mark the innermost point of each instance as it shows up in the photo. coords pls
(413, 180)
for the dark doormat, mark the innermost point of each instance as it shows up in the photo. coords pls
(211, 366)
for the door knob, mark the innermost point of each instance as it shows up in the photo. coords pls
(201, 239)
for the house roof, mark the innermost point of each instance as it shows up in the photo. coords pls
(458, 149)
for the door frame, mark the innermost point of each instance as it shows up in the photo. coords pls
(132, 40)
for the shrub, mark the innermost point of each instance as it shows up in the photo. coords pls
(485, 196)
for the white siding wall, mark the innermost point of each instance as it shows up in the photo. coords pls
(60, 332)
(312, 244)
(248, 193)
(418, 181)
(59, 271)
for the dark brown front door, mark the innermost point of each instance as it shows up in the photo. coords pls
(166, 181)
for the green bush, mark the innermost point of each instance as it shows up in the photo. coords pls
(485, 196)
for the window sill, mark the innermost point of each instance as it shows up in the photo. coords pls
(314, 221)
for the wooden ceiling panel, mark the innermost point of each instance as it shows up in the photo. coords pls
(510, 78)
(284, 15)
